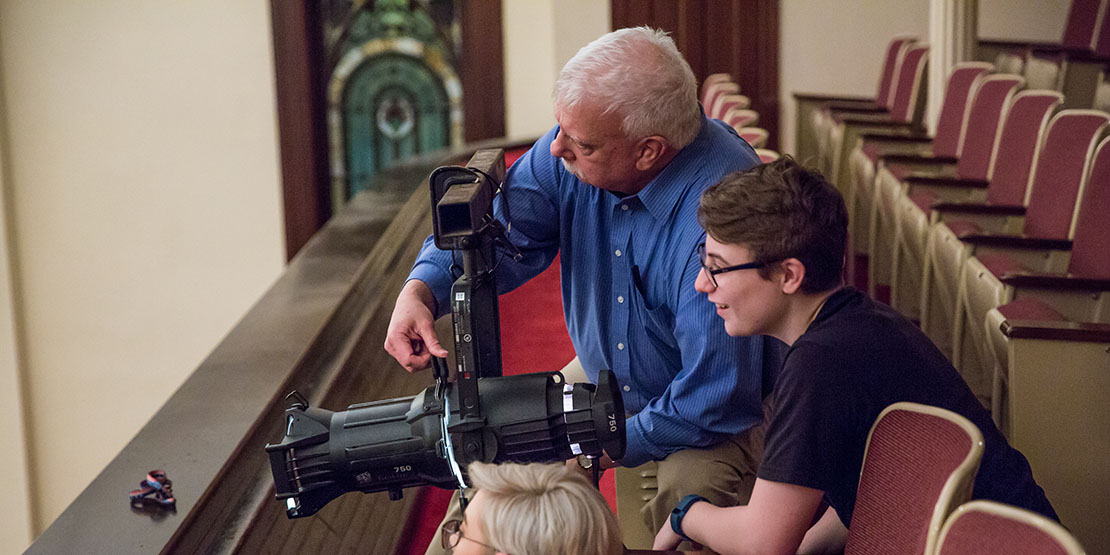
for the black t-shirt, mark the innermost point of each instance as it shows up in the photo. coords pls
(857, 358)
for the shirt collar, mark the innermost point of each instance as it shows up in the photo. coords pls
(662, 194)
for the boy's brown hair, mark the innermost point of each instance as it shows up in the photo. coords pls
(777, 211)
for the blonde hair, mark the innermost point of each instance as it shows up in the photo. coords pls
(544, 509)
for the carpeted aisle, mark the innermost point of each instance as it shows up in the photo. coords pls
(533, 339)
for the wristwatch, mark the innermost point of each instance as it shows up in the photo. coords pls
(585, 462)
(680, 511)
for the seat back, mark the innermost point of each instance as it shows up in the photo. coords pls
(908, 90)
(726, 102)
(1102, 39)
(1060, 171)
(957, 97)
(717, 90)
(919, 464)
(895, 52)
(1092, 226)
(707, 85)
(741, 118)
(767, 155)
(1019, 139)
(755, 136)
(1084, 17)
(982, 527)
(991, 96)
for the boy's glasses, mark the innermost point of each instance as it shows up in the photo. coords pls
(712, 272)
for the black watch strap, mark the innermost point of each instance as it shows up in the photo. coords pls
(680, 511)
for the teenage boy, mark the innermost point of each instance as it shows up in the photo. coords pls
(772, 264)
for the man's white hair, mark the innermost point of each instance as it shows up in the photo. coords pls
(639, 74)
(544, 509)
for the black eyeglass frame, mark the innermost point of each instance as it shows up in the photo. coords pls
(712, 273)
(452, 530)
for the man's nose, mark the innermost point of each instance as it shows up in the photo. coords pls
(559, 149)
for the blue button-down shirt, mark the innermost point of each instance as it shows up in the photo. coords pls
(628, 270)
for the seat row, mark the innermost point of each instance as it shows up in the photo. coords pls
(993, 234)
(721, 99)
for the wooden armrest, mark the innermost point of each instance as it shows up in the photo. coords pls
(824, 97)
(1087, 57)
(1012, 45)
(1061, 331)
(951, 182)
(1016, 241)
(1067, 282)
(975, 208)
(897, 136)
(881, 120)
(1060, 50)
(857, 108)
(918, 159)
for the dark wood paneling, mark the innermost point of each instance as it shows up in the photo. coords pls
(483, 70)
(740, 37)
(302, 128)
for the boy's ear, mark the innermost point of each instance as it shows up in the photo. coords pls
(793, 273)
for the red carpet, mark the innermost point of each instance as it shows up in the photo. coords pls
(533, 339)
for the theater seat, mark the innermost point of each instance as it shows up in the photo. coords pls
(755, 136)
(767, 155)
(1060, 418)
(984, 527)
(812, 125)
(726, 102)
(707, 86)
(741, 118)
(901, 257)
(869, 152)
(716, 91)
(1059, 178)
(905, 113)
(1081, 294)
(919, 465)
(926, 239)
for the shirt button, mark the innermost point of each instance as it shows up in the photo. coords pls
(620, 346)
(624, 207)
(626, 388)
(620, 299)
(617, 252)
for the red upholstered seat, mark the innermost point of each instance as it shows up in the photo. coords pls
(1000, 264)
(916, 457)
(1030, 308)
(924, 199)
(900, 171)
(872, 150)
(990, 528)
(963, 227)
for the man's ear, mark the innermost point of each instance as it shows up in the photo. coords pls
(649, 151)
(793, 274)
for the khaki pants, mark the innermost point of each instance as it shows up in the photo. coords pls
(725, 473)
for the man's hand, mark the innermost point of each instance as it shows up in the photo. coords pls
(411, 337)
(666, 539)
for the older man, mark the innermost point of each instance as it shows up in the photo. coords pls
(614, 189)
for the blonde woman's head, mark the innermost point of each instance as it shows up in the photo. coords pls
(540, 509)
